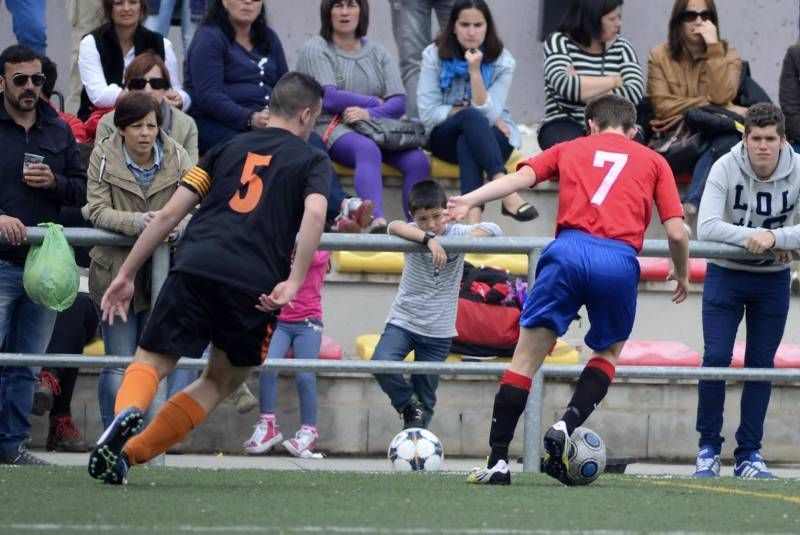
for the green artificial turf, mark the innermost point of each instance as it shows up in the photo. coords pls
(172, 500)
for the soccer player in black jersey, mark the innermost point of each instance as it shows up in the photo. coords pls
(232, 272)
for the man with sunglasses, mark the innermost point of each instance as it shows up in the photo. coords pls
(40, 171)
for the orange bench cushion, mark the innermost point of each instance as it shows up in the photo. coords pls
(658, 353)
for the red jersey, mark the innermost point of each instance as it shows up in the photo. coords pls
(607, 186)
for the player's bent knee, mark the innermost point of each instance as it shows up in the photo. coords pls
(164, 364)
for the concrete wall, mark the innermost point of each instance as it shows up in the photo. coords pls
(644, 25)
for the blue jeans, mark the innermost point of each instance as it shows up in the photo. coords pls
(25, 327)
(120, 340)
(395, 343)
(335, 194)
(719, 146)
(468, 139)
(411, 25)
(29, 23)
(305, 338)
(763, 299)
(160, 22)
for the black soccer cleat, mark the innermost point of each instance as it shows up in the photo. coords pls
(107, 461)
(556, 460)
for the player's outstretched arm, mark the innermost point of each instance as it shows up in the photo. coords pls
(678, 240)
(311, 228)
(118, 295)
(498, 188)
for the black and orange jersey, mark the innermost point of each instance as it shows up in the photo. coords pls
(253, 190)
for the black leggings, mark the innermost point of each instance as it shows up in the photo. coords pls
(558, 131)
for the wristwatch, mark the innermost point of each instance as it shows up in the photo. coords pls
(429, 235)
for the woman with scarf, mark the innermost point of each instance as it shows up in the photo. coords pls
(463, 86)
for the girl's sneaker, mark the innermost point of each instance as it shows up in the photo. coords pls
(302, 445)
(266, 434)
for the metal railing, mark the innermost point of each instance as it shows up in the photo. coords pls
(366, 242)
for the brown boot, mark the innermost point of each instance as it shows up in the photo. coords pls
(47, 389)
(64, 435)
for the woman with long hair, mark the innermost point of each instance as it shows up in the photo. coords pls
(694, 68)
(584, 58)
(464, 81)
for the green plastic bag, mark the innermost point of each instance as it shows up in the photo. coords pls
(51, 276)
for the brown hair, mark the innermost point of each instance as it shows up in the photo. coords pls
(135, 106)
(611, 111)
(326, 25)
(674, 27)
(142, 64)
(447, 42)
(108, 5)
(765, 114)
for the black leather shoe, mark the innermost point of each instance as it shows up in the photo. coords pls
(526, 212)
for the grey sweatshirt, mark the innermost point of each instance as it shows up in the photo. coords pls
(737, 204)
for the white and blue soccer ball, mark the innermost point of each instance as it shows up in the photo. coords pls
(415, 449)
(586, 452)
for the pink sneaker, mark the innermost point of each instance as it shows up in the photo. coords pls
(267, 433)
(302, 445)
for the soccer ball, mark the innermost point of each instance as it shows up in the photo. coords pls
(586, 452)
(415, 449)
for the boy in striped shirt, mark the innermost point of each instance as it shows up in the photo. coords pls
(423, 315)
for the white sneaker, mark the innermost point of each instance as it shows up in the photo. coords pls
(266, 434)
(302, 445)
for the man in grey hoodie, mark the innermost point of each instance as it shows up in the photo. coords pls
(750, 200)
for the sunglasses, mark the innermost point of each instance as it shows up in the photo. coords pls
(21, 80)
(137, 84)
(691, 16)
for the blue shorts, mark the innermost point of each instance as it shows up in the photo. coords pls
(578, 269)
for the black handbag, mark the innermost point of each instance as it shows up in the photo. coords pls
(392, 134)
(681, 147)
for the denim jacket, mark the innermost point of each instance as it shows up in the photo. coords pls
(434, 105)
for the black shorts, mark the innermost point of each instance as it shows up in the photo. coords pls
(192, 311)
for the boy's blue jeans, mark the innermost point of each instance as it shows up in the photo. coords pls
(763, 299)
(25, 327)
(395, 343)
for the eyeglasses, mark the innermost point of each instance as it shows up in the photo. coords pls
(691, 16)
(21, 80)
(137, 84)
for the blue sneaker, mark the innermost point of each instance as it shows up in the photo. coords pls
(707, 464)
(753, 467)
(107, 461)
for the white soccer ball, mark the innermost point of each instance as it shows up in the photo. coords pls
(415, 449)
(586, 452)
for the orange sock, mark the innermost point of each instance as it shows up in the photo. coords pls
(138, 388)
(179, 415)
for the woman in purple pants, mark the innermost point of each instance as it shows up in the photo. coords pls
(361, 80)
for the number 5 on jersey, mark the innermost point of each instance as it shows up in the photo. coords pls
(618, 161)
(247, 195)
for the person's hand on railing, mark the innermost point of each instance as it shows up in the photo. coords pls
(782, 256)
(681, 288)
(13, 229)
(117, 299)
(760, 242)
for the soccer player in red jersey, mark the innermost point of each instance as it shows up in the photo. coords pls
(608, 184)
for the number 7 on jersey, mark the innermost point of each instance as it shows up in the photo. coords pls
(618, 161)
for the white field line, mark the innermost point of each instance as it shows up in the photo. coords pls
(114, 528)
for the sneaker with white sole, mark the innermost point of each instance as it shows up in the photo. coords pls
(266, 434)
(753, 467)
(499, 474)
(304, 441)
(708, 463)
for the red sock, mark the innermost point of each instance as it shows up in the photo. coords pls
(516, 379)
